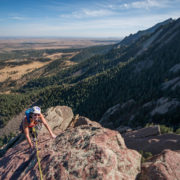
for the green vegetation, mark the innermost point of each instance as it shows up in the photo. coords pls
(145, 156)
(89, 52)
(177, 131)
(164, 129)
(11, 105)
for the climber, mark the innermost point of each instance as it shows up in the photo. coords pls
(35, 119)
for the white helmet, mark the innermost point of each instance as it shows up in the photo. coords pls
(36, 110)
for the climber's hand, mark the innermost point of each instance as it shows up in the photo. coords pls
(53, 136)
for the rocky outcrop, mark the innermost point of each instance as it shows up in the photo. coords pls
(144, 132)
(100, 154)
(150, 140)
(164, 105)
(80, 120)
(84, 150)
(164, 166)
(62, 117)
(118, 114)
(170, 84)
(175, 68)
(58, 117)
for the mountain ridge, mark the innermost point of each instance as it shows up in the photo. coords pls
(133, 37)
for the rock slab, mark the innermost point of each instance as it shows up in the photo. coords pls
(80, 153)
(150, 140)
(165, 166)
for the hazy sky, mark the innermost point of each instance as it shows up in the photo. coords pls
(83, 18)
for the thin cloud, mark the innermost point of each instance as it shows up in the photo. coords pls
(17, 18)
(85, 13)
(143, 4)
(95, 13)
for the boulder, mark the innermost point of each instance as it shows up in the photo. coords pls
(85, 121)
(164, 166)
(83, 152)
(59, 117)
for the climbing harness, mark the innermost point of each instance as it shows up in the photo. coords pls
(37, 153)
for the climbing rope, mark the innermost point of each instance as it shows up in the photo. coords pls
(37, 153)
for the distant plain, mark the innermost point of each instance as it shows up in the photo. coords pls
(10, 44)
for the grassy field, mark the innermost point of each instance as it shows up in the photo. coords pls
(15, 72)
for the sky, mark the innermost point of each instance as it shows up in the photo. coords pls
(82, 18)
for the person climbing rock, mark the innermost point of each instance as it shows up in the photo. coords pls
(34, 119)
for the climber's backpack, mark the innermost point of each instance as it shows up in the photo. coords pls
(27, 113)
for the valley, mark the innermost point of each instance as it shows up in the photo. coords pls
(28, 56)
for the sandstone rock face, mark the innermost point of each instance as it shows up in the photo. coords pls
(144, 132)
(150, 140)
(165, 166)
(84, 152)
(100, 154)
(58, 117)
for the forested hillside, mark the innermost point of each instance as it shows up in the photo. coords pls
(89, 52)
(146, 71)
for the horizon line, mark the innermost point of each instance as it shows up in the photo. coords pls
(60, 37)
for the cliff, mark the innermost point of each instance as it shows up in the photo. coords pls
(83, 149)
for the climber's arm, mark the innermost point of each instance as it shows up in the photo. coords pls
(26, 132)
(47, 126)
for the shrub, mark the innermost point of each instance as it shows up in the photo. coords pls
(164, 129)
(177, 131)
(145, 156)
